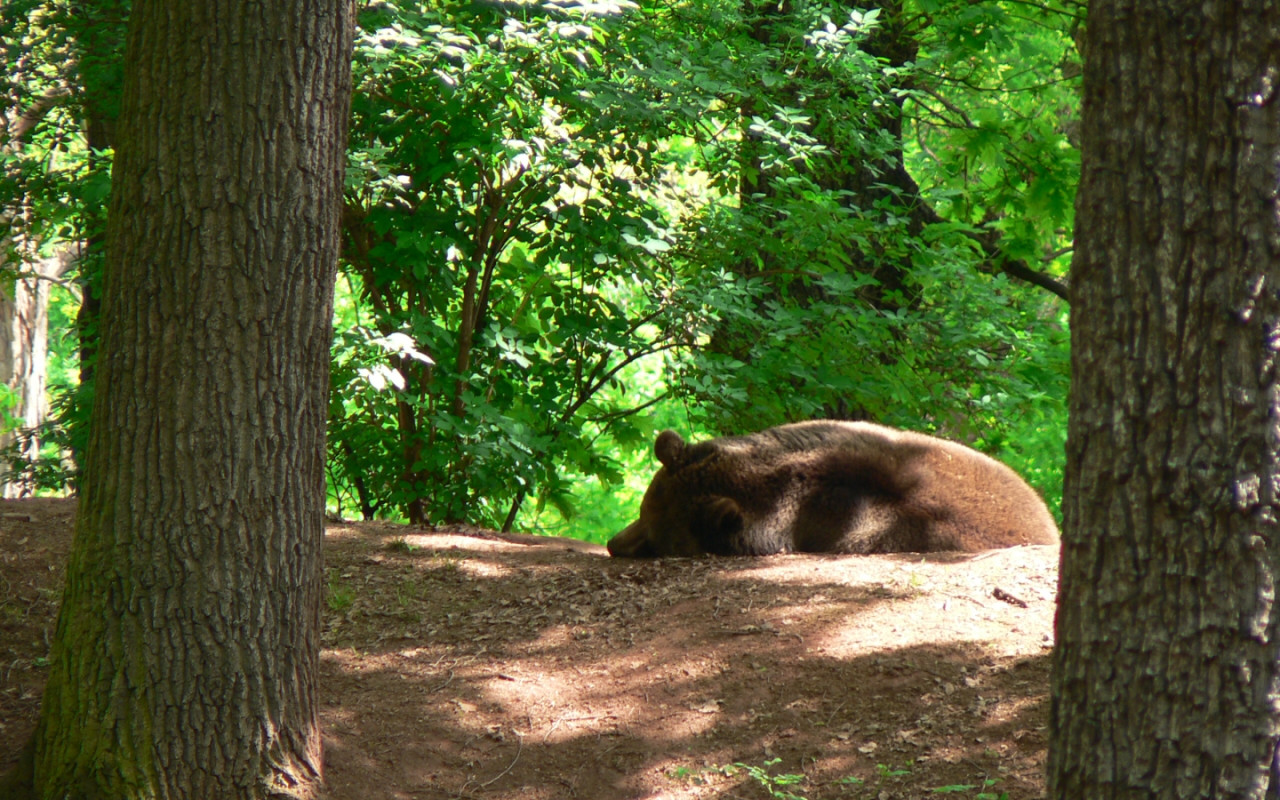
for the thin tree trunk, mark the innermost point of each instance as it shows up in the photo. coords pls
(1165, 671)
(24, 310)
(185, 655)
(363, 498)
(415, 507)
(24, 351)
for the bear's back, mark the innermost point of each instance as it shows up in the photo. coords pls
(914, 492)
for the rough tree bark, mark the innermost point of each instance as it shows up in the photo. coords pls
(1165, 671)
(185, 655)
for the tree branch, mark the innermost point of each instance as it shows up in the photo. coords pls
(989, 243)
(627, 412)
(20, 127)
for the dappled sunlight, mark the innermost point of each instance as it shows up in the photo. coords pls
(969, 617)
(458, 666)
(472, 666)
(895, 568)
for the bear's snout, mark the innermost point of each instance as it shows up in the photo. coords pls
(631, 542)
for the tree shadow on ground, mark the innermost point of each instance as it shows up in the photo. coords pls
(526, 672)
(471, 667)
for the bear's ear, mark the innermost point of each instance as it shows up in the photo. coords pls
(668, 447)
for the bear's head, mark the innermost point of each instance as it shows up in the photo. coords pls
(689, 508)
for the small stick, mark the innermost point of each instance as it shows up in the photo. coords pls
(519, 749)
(1001, 594)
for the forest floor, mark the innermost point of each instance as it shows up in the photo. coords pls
(469, 665)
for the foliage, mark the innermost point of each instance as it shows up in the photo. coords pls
(775, 785)
(512, 249)
(772, 784)
(60, 98)
(338, 595)
(839, 295)
(65, 68)
(601, 508)
(569, 225)
(993, 119)
(52, 471)
(985, 792)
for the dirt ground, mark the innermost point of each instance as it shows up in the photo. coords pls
(468, 665)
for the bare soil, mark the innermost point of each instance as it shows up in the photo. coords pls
(464, 664)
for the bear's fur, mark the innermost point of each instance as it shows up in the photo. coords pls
(830, 487)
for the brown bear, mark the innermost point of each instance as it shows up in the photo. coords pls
(830, 487)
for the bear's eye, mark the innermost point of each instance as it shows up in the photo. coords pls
(730, 524)
(718, 526)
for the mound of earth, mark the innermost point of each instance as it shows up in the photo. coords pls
(464, 664)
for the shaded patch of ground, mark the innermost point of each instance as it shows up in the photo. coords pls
(467, 665)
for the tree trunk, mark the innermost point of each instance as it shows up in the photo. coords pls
(24, 309)
(98, 30)
(185, 655)
(1165, 672)
(415, 507)
(24, 351)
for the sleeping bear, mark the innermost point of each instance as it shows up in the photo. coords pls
(830, 487)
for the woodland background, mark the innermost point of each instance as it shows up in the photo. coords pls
(569, 225)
